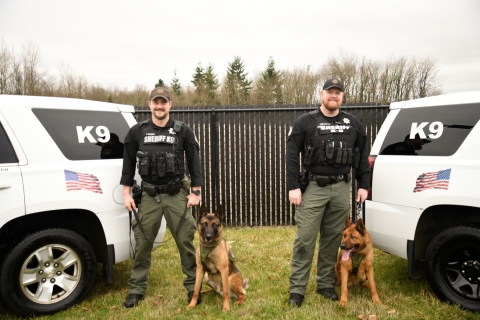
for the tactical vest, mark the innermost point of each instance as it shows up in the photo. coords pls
(160, 154)
(331, 143)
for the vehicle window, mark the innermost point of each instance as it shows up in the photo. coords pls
(438, 131)
(85, 135)
(8, 154)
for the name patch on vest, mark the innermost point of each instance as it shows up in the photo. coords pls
(333, 127)
(159, 139)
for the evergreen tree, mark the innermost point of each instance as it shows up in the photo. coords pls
(269, 87)
(160, 83)
(211, 86)
(206, 85)
(175, 84)
(236, 86)
(199, 83)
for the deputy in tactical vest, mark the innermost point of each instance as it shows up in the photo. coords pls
(161, 145)
(330, 141)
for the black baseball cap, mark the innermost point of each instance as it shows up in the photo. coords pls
(333, 83)
(160, 92)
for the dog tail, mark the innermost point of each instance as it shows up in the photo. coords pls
(245, 283)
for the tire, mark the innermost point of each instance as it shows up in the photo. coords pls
(48, 271)
(453, 266)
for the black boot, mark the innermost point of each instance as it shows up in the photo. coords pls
(328, 293)
(295, 300)
(132, 300)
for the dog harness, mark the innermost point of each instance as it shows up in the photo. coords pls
(356, 260)
(205, 252)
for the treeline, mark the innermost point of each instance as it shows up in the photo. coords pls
(366, 81)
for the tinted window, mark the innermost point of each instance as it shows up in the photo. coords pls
(7, 154)
(85, 135)
(437, 131)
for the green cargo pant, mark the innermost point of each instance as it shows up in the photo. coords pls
(150, 214)
(323, 209)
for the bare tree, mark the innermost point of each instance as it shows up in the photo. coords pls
(32, 75)
(300, 86)
(427, 78)
(5, 65)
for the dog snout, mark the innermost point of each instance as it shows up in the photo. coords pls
(343, 246)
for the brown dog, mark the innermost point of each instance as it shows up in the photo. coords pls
(215, 261)
(355, 260)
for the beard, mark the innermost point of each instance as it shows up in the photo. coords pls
(331, 105)
(161, 117)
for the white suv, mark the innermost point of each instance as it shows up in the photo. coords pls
(424, 204)
(61, 204)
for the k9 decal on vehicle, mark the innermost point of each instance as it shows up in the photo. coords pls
(438, 131)
(435, 128)
(101, 131)
(85, 135)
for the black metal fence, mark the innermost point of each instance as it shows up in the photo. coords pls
(242, 149)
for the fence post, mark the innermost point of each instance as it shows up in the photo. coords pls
(214, 156)
(354, 203)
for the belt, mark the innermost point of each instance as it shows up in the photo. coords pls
(329, 179)
(171, 188)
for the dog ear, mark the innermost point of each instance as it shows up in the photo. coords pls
(219, 212)
(348, 223)
(203, 210)
(360, 226)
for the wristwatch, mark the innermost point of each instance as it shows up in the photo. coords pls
(196, 192)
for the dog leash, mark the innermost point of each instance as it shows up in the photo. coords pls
(139, 224)
(359, 212)
(181, 219)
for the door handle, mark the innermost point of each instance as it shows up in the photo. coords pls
(5, 186)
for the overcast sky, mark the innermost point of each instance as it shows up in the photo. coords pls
(128, 42)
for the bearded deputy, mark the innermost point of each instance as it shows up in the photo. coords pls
(161, 145)
(331, 141)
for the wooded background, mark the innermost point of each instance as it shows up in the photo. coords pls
(366, 81)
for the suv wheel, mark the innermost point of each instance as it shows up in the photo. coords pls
(453, 266)
(47, 272)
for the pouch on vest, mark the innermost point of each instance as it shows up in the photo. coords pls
(144, 163)
(310, 155)
(161, 164)
(170, 163)
(154, 166)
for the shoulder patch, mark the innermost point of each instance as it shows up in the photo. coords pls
(177, 125)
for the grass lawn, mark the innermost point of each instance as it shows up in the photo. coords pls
(263, 255)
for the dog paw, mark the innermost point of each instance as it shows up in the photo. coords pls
(343, 303)
(190, 306)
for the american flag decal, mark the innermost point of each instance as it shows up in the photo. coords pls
(433, 180)
(82, 181)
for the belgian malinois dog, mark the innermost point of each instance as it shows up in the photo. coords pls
(355, 260)
(215, 261)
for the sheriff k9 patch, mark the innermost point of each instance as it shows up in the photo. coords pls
(160, 138)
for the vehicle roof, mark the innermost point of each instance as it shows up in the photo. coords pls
(440, 100)
(16, 101)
